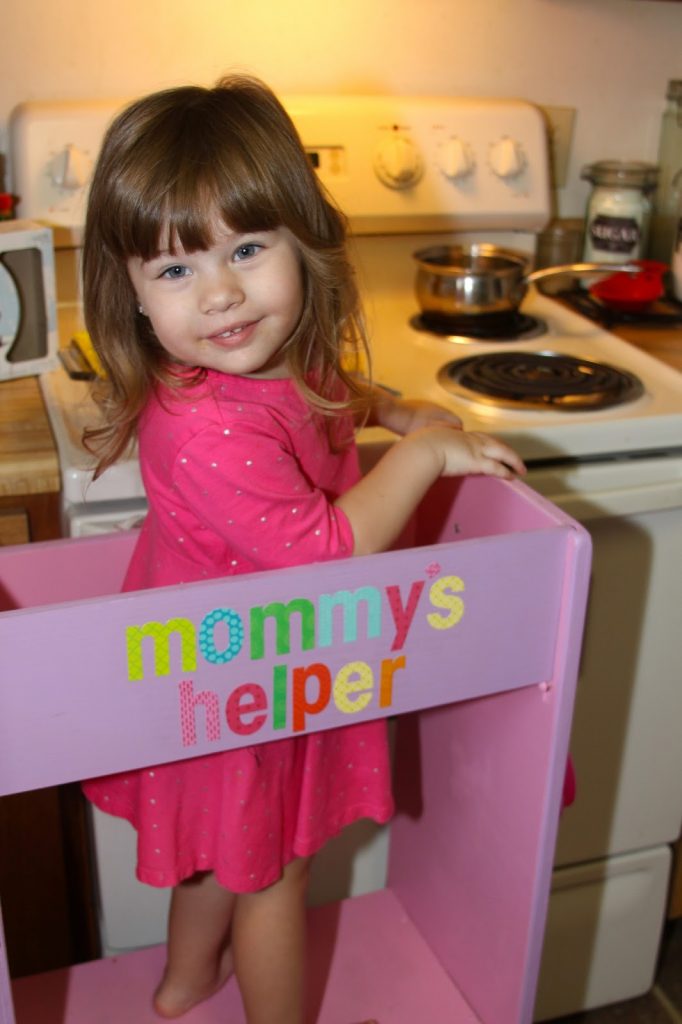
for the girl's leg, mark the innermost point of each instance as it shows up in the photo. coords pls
(268, 935)
(199, 958)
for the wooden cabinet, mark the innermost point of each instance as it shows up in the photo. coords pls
(45, 878)
(14, 526)
(29, 467)
(29, 517)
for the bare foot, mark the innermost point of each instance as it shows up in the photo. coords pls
(175, 997)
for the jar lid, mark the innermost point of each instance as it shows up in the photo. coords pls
(622, 174)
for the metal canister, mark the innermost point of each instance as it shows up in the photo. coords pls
(561, 242)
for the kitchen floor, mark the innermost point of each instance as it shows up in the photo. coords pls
(662, 1005)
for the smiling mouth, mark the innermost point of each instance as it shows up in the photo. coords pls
(233, 333)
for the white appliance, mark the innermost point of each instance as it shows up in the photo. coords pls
(411, 172)
(28, 300)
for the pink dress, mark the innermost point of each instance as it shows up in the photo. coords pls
(240, 477)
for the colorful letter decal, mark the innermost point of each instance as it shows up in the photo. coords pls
(282, 615)
(297, 693)
(207, 644)
(161, 634)
(441, 596)
(349, 601)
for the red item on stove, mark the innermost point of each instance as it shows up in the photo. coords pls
(631, 292)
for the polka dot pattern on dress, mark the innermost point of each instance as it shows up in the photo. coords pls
(247, 481)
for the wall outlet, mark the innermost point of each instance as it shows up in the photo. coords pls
(560, 122)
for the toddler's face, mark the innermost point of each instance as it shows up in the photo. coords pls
(231, 307)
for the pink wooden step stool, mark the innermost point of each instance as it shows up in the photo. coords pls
(472, 633)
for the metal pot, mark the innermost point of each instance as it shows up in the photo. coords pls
(472, 280)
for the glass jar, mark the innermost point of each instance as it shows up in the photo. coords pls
(560, 242)
(664, 214)
(675, 254)
(618, 210)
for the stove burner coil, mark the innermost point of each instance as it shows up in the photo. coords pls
(540, 380)
(510, 326)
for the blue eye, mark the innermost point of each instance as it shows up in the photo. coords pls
(246, 251)
(176, 271)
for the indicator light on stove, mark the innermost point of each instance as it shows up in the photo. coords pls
(71, 168)
(507, 158)
(397, 162)
(456, 159)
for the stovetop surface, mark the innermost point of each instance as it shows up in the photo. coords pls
(70, 409)
(539, 381)
(408, 361)
(666, 311)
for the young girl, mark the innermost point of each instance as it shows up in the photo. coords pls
(221, 302)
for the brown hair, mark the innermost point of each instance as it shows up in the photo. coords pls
(168, 162)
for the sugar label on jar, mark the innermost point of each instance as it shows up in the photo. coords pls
(615, 234)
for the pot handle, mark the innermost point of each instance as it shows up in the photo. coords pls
(576, 269)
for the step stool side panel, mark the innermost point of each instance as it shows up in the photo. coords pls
(479, 791)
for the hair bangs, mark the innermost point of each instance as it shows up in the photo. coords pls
(183, 211)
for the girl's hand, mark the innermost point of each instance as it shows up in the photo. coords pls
(463, 452)
(380, 504)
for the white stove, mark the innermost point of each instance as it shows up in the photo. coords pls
(409, 173)
(409, 360)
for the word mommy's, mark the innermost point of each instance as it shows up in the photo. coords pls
(295, 693)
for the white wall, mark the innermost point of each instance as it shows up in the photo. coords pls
(610, 59)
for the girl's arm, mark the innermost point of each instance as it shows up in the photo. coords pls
(379, 505)
(402, 415)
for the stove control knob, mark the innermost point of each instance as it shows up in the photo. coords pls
(507, 158)
(455, 159)
(397, 162)
(71, 168)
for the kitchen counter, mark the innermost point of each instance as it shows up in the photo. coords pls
(28, 458)
(665, 344)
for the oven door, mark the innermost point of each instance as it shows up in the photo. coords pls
(612, 865)
(629, 703)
